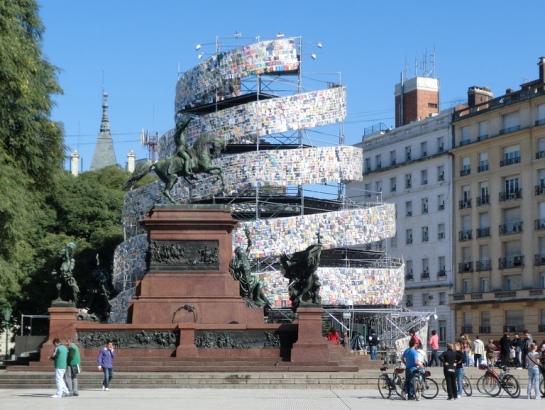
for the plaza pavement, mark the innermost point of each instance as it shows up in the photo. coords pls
(247, 399)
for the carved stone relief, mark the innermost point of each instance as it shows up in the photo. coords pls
(183, 255)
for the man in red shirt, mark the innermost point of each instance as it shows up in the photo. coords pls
(434, 346)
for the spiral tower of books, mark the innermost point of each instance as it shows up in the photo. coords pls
(241, 94)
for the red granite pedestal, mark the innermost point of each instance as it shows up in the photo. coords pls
(311, 346)
(62, 325)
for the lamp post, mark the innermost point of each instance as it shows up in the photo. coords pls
(7, 317)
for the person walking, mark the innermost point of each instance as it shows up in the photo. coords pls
(505, 349)
(411, 362)
(532, 362)
(105, 363)
(373, 340)
(60, 356)
(478, 351)
(73, 368)
(527, 340)
(434, 346)
(448, 358)
(491, 352)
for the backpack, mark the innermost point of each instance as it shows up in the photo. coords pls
(373, 340)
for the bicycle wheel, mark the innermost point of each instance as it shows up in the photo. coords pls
(399, 382)
(542, 386)
(430, 388)
(444, 385)
(466, 385)
(511, 385)
(417, 386)
(384, 386)
(490, 385)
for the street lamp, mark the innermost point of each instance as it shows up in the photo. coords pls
(7, 317)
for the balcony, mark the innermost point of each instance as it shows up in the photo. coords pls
(484, 329)
(465, 235)
(482, 137)
(464, 267)
(510, 130)
(441, 273)
(467, 329)
(539, 190)
(483, 200)
(539, 259)
(464, 203)
(493, 296)
(510, 228)
(539, 224)
(540, 154)
(483, 232)
(483, 166)
(409, 276)
(483, 265)
(514, 328)
(425, 274)
(464, 172)
(541, 328)
(509, 161)
(511, 194)
(540, 122)
(511, 262)
(465, 142)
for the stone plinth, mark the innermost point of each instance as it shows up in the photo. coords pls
(311, 346)
(62, 325)
(188, 278)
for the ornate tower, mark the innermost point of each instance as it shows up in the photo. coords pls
(104, 151)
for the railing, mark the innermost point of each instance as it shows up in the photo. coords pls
(425, 275)
(510, 195)
(409, 276)
(442, 273)
(464, 172)
(482, 137)
(483, 167)
(540, 122)
(509, 130)
(540, 154)
(513, 328)
(539, 190)
(465, 236)
(464, 267)
(483, 265)
(467, 329)
(484, 329)
(483, 232)
(510, 228)
(509, 161)
(483, 200)
(511, 262)
(541, 328)
(539, 259)
(465, 142)
(465, 203)
(539, 224)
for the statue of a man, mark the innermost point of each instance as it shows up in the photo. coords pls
(181, 154)
(251, 286)
(67, 286)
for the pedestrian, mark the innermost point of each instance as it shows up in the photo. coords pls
(411, 362)
(105, 363)
(73, 368)
(333, 335)
(434, 346)
(343, 341)
(466, 346)
(60, 356)
(373, 340)
(460, 359)
(505, 349)
(448, 358)
(414, 337)
(516, 344)
(527, 340)
(491, 352)
(532, 362)
(478, 351)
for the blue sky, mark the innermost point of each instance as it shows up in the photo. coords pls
(135, 48)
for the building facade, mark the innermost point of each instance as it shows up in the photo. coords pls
(499, 223)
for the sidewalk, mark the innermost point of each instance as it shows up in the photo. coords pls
(248, 399)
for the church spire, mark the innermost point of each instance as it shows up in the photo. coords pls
(104, 154)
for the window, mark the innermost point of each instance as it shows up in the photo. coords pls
(441, 231)
(409, 236)
(393, 184)
(424, 149)
(440, 144)
(540, 114)
(408, 180)
(440, 173)
(367, 167)
(514, 320)
(425, 234)
(442, 268)
(426, 266)
(442, 298)
(393, 157)
(511, 155)
(409, 300)
(442, 330)
(378, 186)
(485, 322)
(483, 162)
(409, 267)
(409, 208)
(483, 130)
(468, 321)
(407, 153)
(513, 282)
(485, 285)
(424, 205)
(378, 161)
(424, 177)
(511, 186)
(465, 139)
(425, 299)
(483, 198)
(393, 241)
(441, 202)
(511, 123)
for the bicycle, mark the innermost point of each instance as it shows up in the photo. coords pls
(466, 386)
(424, 385)
(492, 383)
(387, 384)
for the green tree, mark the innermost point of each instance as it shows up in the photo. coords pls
(31, 145)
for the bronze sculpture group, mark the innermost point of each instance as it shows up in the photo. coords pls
(67, 287)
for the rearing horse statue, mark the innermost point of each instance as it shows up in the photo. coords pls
(206, 147)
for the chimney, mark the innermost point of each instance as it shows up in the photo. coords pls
(478, 95)
(74, 163)
(131, 160)
(541, 65)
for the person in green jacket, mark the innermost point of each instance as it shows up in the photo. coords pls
(60, 357)
(73, 368)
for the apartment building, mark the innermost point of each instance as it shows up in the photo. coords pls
(499, 218)
(410, 167)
